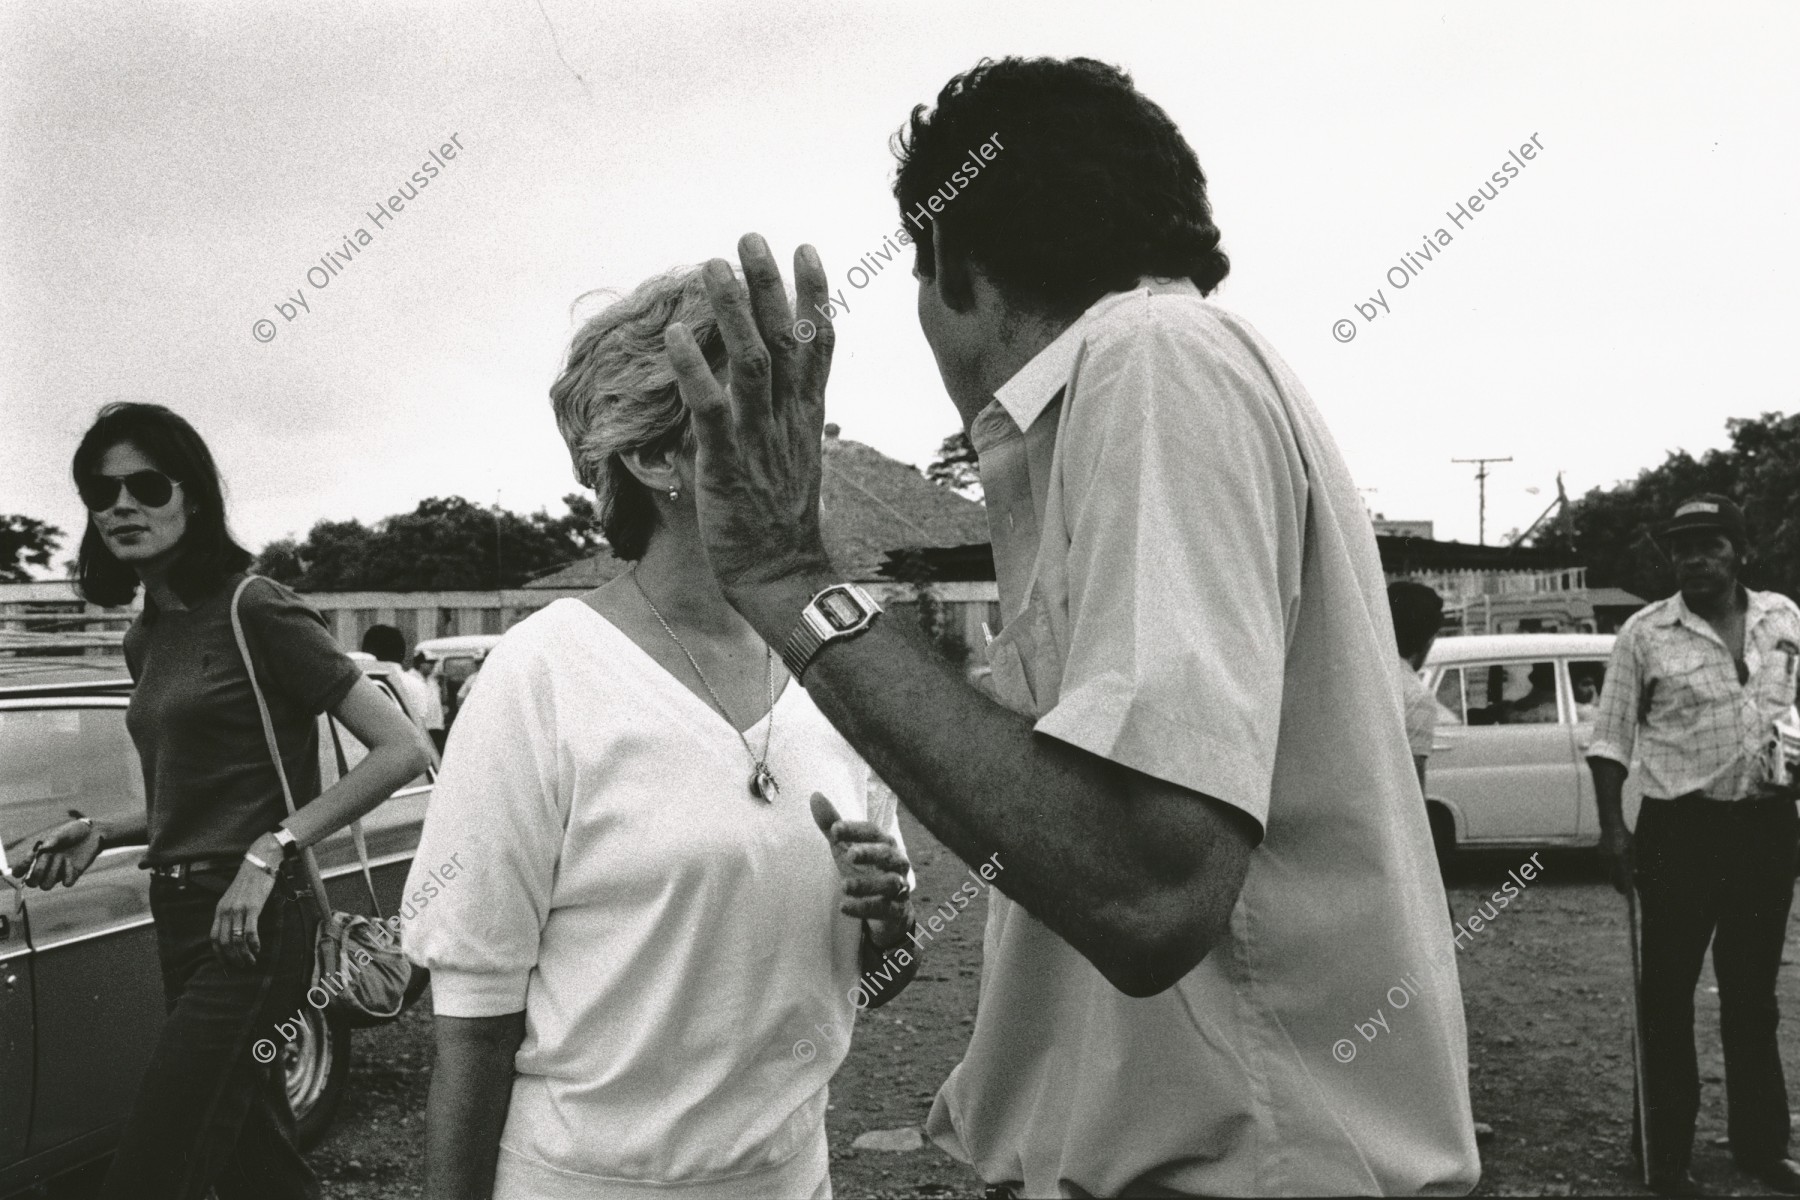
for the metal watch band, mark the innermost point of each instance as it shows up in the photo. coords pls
(814, 630)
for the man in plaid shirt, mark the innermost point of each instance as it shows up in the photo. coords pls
(1694, 688)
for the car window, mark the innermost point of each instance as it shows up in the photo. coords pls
(53, 760)
(1586, 679)
(1510, 693)
(1450, 697)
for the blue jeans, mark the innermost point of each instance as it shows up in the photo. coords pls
(207, 1114)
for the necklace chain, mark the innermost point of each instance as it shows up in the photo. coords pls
(760, 776)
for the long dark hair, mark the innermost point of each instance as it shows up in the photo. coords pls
(207, 554)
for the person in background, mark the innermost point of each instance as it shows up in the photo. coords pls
(389, 645)
(1418, 613)
(1693, 690)
(232, 934)
(1587, 696)
(423, 668)
(681, 885)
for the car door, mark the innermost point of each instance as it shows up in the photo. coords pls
(97, 985)
(1503, 757)
(18, 1034)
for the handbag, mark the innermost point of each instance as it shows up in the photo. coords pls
(358, 967)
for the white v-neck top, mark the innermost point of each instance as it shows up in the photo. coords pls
(674, 942)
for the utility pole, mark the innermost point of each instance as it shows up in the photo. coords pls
(1481, 474)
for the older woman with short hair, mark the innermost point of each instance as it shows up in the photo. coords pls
(647, 969)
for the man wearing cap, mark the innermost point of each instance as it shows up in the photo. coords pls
(1694, 688)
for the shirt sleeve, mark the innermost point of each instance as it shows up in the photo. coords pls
(498, 815)
(1421, 718)
(1616, 720)
(295, 653)
(1185, 499)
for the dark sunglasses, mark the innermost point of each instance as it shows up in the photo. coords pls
(152, 489)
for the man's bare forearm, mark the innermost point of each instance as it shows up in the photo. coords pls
(1609, 792)
(471, 1089)
(1071, 832)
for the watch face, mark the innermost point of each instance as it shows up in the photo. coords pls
(842, 611)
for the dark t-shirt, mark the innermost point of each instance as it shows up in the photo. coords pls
(208, 781)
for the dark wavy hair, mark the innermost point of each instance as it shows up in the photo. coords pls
(1091, 186)
(1418, 613)
(208, 554)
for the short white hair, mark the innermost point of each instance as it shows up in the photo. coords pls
(617, 393)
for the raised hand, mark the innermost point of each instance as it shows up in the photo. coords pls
(759, 464)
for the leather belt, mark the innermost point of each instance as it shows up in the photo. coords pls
(181, 870)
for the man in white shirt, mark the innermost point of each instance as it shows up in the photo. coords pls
(1196, 773)
(1693, 691)
(422, 669)
(1418, 612)
(388, 645)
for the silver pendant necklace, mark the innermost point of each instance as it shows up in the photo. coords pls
(762, 780)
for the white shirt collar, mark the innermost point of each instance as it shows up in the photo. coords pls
(1031, 389)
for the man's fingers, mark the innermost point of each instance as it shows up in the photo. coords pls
(824, 813)
(889, 884)
(813, 358)
(768, 297)
(752, 366)
(704, 398)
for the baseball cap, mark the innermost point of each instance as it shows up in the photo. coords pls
(1707, 511)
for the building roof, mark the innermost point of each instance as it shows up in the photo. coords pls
(1400, 554)
(869, 504)
(1612, 597)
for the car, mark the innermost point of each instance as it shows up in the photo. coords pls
(1515, 716)
(81, 1000)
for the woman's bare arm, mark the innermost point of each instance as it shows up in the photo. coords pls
(465, 1113)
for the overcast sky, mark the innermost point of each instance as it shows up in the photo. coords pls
(173, 170)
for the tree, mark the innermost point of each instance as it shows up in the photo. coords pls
(1613, 530)
(25, 542)
(955, 466)
(446, 544)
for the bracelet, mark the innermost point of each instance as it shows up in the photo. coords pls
(92, 826)
(259, 864)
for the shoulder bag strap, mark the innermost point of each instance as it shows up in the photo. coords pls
(356, 826)
(317, 881)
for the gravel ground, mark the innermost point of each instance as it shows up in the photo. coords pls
(1549, 1042)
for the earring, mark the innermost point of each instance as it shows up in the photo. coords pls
(674, 494)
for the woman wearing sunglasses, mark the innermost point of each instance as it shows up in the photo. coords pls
(234, 942)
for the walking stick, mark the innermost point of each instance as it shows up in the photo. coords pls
(1638, 1055)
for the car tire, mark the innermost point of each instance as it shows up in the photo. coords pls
(316, 1068)
(1443, 831)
